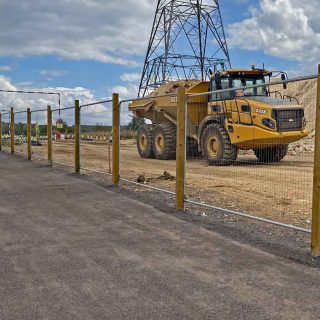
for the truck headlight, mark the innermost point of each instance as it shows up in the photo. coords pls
(269, 123)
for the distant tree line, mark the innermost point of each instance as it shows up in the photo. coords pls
(21, 128)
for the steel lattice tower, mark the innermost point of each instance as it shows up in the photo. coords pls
(187, 39)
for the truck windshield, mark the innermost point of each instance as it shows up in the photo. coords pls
(245, 82)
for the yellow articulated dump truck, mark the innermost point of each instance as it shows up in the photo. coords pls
(221, 123)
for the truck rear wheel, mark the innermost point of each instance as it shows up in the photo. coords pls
(273, 154)
(217, 147)
(192, 148)
(145, 141)
(164, 141)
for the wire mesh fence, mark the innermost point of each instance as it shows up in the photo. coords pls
(249, 144)
(39, 133)
(251, 148)
(20, 134)
(96, 137)
(148, 143)
(5, 130)
(63, 136)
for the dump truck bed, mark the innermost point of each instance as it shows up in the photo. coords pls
(159, 108)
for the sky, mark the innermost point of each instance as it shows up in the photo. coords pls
(87, 49)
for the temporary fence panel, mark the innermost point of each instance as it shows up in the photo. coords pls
(20, 119)
(96, 137)
(39, 134)
(148, 142)
(63, 135)
(5, 131)
(250, 149)
(20, 100)
(315, 236)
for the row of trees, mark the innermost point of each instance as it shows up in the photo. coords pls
(21, 128)
(133, 125)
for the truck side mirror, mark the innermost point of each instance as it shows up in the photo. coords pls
(283, 78)
(217, 79)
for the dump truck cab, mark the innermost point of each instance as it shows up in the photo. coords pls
(254, 117)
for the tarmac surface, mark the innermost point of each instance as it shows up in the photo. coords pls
(72, 249)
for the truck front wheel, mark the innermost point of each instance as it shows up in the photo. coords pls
(145, 141)
(164, 141)
(217, 147)
(272, 154)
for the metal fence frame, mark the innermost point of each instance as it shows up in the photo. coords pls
(250, 216)
(79, 130)
(118, 109)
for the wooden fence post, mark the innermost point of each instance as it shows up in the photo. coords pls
(181, 148)
(12, 130)
(29, 133)
(49, 134)
(115, 139)
(77, 136)
(0, 131)
(315, 237)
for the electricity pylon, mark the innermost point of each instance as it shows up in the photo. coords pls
(187, 39)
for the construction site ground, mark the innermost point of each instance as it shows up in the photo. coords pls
(281, 192)
(73, 248)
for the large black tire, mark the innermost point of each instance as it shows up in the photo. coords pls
(272, 154)
(192, 149)
(164, 141)
(145, 141)
(217, 147)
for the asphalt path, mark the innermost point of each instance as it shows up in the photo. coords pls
(72, 249)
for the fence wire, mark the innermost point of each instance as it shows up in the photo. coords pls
(147, 145)
(6, 131)
(96, 137)
(20, 128)
(63, 129)
(39, 133)
(251, 148)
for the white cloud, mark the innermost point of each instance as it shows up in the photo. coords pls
(5, 68)
(24, 84)
(53, 73)
(126, 92)
(241, 1)
(6, 84)
(101, 113)
(105, 31)
(21, 102)
(289, 29)
(130, 77)
(91, 115)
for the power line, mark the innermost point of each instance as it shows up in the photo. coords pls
(35, 92)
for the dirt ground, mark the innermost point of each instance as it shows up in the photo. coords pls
(282, 192)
